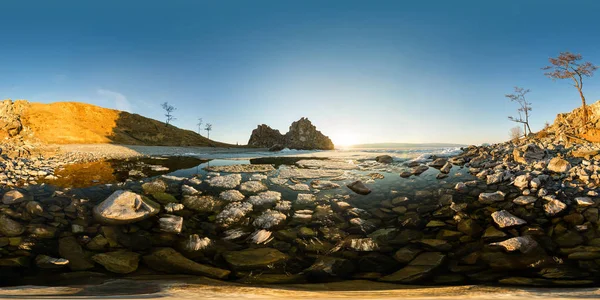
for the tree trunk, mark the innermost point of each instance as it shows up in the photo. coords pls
(524, 130)
(583, 107)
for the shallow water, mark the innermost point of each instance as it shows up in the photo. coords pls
(94, 180)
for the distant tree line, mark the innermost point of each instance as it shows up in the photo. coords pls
(169, 109)
(566, 65)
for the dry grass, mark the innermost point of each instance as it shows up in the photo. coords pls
(80, 123)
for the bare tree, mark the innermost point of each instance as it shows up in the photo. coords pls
(169, 110)
(208, 128)
(199, 125)
(568, 65)
(515, 132)
(524, 109)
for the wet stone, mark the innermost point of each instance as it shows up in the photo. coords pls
(121, 262)
(505, 219)
(254, 259)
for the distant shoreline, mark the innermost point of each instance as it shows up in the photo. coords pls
(404, 145)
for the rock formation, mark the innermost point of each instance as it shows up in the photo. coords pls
(264, 136)
(10, 119)
(303, 135)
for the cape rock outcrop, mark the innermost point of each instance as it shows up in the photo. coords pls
(303, 135)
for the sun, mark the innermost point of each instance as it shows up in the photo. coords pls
(344, 139)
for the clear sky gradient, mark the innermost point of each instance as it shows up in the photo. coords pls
(362, 71)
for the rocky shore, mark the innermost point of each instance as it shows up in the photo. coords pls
(527, 215)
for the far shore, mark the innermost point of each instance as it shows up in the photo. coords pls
(114, 151)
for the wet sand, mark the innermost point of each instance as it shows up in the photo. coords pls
(185, 287)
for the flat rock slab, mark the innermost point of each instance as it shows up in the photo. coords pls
(253, 187)
(225, 181)
(232, 196)
(258, 168)
(250, 259)
(170, 261)
(287, 173)
(326, 164)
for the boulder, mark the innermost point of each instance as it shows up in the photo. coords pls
(10, 227)
(170, 261)
(419, 169)
(558, 165)
(170, 223)
(445, 169)
(254, 259)
(528, 153)
(16, 196)
(69, 248)
(438, 163)
(124, 207)
(156, 186)
(505, 219)
(554, 207)
(121, 262)
(522, 181)
(489, 198)
(359, 188)
(384, 159)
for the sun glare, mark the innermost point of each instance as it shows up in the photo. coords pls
(344, 140)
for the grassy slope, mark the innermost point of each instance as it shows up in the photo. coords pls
(80, 123)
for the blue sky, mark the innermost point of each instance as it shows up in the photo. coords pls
(362, 71)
